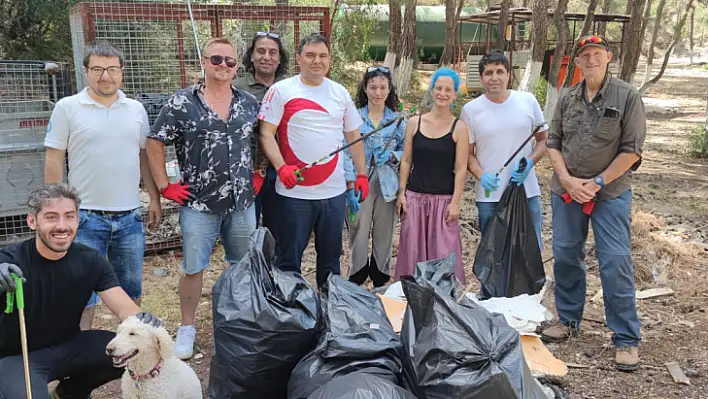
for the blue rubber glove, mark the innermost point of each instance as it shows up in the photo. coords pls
(353, 201)
(490, 182)
(517, 176)
(383, 157)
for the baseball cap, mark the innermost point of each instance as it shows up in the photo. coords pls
(592, 40)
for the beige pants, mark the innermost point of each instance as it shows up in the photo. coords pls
(374, 210)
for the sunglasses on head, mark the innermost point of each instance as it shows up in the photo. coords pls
(380, 68)
(268, 34)
(218, 59)
(590, 39)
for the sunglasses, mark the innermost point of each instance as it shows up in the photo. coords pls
(590, 39)
(218, 59)
(380, 68)
(268, 34)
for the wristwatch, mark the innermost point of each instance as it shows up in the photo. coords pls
(600, 181)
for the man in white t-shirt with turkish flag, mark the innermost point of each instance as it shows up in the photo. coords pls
(311, 116)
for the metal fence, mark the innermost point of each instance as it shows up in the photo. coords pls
(158, 41)
(28, 92)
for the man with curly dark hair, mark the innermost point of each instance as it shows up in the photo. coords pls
(265, 63)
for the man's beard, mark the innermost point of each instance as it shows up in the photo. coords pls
(45, 237)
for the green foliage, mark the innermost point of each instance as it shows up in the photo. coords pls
(350, 37)
(699, 142)
(35, 29)
(539, 90)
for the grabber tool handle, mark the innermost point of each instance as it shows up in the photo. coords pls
(17, 296)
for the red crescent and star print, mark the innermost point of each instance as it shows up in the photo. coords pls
(311, 123)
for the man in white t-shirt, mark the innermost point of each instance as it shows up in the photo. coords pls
(311, 115)
(104, 134)
(499, 121)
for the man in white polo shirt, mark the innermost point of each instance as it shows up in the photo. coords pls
(104, 134)
(311, 115)
(499, 121)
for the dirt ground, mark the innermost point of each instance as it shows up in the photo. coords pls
(670, 240)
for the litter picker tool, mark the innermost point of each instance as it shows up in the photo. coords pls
(19, 297)
(384, 125)
(196, 40)
(511, 158)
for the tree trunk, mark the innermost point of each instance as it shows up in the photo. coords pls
(394, 33)
(677, 36)
(503, 22)
(402, 79)
(654, 35)
(645, 20)
(562, 42)
(632, 40)
(605, 9)
(690, 35)
(589, 17)
(453, 9)
(705, 127)
(539, 41)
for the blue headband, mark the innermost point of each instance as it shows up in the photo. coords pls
(446, 72)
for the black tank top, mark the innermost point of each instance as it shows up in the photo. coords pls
(433, 163)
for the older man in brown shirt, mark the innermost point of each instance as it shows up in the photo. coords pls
(595, 143)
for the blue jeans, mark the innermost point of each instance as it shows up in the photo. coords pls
(267, 203)
(201, 229)
(611, 220)
(487, 210)
(299, 218)
(120, 238)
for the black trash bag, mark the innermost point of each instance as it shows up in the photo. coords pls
(440, 273)
(361, 385)
(265, 321)
(463, 351)
(508, 261)
(357, 335)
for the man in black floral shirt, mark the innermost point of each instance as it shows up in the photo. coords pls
(211, 126)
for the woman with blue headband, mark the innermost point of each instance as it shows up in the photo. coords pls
(432, 178)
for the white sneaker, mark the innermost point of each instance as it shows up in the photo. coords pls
(184, 344)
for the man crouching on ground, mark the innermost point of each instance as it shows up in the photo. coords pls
(59, 277)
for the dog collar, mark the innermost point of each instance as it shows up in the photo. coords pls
(151, 374)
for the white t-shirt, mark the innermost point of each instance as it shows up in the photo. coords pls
(498, 130)
(104, 148)
(311, 124)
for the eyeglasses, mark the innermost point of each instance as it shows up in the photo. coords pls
(268, 34)
(590, 39)
(112, 70)
(218, 59)
(380, 68)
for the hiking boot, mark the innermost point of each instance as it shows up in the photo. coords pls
(184, 344)
(627, 358)
(558, 333)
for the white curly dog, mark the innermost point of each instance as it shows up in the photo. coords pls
(151, 370)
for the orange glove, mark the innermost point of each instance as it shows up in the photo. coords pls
(257, 182)
(361, 186)
(286, 174)
(178, 192)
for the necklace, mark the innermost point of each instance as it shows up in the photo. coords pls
(210, 101)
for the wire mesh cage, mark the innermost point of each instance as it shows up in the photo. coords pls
(159, 41)
(28, 92)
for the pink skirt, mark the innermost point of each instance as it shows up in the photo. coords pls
(425, 235)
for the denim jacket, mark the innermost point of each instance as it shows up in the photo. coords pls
(374, 146)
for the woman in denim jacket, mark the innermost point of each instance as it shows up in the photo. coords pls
(377, 102)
